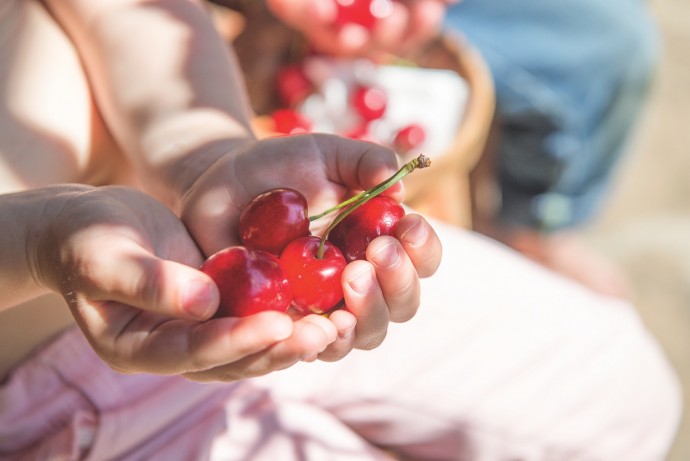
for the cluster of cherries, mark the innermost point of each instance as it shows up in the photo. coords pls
(367, 101)
(280, 265)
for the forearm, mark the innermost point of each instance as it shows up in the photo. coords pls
(166, 83)
(23, 216)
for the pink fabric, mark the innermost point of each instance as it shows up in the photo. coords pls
(65, 404)
(504, 362)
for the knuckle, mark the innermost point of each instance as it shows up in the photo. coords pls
(404, 314)
(404, 301)
(372, 341)
(148, 286)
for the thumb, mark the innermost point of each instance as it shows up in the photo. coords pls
(139, 279)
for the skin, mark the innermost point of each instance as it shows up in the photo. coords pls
(176, 140)
(410, 23)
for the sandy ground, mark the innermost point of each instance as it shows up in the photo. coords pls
(646, 223)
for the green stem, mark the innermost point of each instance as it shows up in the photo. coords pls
(337, 207)
(419, 162)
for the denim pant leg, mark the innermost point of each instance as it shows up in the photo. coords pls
(571, 79)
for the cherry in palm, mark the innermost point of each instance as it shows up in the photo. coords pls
(249, 281)
(314, 276)
(273, 219)
(378, 216)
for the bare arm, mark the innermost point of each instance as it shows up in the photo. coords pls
(20, 214)
(125, 266)
(169, 90)
(166, 83)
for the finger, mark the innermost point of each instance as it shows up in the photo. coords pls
(345, 324)
(425, 21)
(310, 336)
(310, 351)
(421, 243)
(359, 165)
(129, 274)
(389, 33)
(365, 300)
(172, 346)
(397, 277)
(352, 39)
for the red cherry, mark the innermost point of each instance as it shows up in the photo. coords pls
(409, 137)
(315, 282)
(273, 219)
(369, 102)
(292, 85)
(374, 218)
(249, 281)
(288, 121)
(363, 12)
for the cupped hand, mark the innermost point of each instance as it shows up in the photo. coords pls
(326, 169)
(126, 266)
(409, 23)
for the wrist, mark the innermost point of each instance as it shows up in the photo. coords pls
(24, 270)
(43, 239)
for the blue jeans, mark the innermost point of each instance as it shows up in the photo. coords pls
(571, 79)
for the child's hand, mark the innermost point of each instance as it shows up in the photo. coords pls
(409, 23)
(125, 264)
(325, 169)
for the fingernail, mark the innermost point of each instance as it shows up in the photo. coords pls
(387, 256)
(362, 282)
(415, 234)
(326, 326)
(198, 298)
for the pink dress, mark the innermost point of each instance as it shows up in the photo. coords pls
(504, 361)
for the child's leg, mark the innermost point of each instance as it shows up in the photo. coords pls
(503, 361)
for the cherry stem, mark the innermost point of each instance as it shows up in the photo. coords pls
(419, 162)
